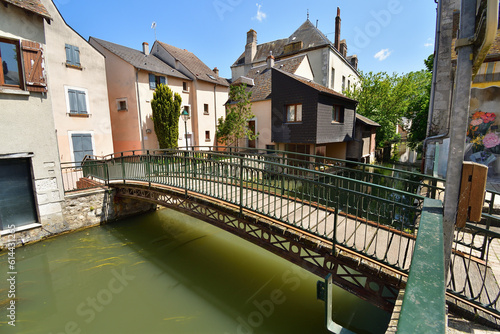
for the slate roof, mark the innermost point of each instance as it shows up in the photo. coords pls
(34, 6)
(366, 120)
(139, 60)
(194, 65)
(261, 76)
(316, 86)
(307, 33)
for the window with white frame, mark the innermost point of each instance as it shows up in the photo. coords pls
(77, 100)
(205, 109)
(294, 113)
(188, 109)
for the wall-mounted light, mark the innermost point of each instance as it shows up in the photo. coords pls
(148, 131)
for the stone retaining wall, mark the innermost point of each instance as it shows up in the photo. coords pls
(79, 210)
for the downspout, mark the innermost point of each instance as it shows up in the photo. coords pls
(438, 137)
(139, 108)
(215, 115)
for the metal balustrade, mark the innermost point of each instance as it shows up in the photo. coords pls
(374, 220)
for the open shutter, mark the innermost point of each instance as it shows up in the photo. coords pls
(163, 81)
(76, 54)
(152, 81)
(34, 66)
(82, 104)
(73, 101)
(69, 54)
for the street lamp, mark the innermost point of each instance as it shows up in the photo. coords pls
(185, 117)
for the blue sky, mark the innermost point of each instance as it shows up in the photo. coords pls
(389, 35)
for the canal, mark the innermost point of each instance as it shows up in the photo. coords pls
(166, 272)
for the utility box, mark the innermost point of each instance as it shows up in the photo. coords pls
(472, 191)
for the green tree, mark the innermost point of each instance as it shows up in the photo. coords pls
(386, 99)
(166, 112)
(239, 111)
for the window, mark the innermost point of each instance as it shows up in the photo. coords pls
(72, 56)
(348, 84)
(184, 86)
(121, 104)
(205, 109)
(343, 83)
(332, 79)
(294, 113)
(337, 114)
(17, 201)
(77, 101)
(207, 135)
(155, 80)
(187, 109)
(82, 146)
(10, 73)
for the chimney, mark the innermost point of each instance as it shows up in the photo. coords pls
(337, 30)
(343, 48)
(145, 48)
(270, 60)
(354, 61)
(216, 71)
(251, 47)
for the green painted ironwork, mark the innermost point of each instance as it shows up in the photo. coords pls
(423, 309)
(339, 205)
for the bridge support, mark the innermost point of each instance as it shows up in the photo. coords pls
(325, 293)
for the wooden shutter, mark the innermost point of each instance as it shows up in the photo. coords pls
(82, 104)
(76, 54)
(34, 66)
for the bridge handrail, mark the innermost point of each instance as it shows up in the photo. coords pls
(340, 164)
(423, 309)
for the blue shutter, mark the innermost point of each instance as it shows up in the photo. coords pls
(82, 103)
(163, 81)
(69, 54)
(73, 101)
(152, 81)
(82, 146)
(76, 56)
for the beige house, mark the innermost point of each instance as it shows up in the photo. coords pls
(77, 77)
(31, 187)
(132, 76)
(330, 64)
(208, 94)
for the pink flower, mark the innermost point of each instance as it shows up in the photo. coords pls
(488, 117)
(491, 140)
(476, 121)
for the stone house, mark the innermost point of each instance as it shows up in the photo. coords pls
(132, 76)
(77, 77)
(330, 64)
(207, 94)
(31, 188)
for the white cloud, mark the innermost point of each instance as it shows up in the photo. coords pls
(260, 16)
(429, 43)
(382, 54)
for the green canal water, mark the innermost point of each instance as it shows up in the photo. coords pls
(166, 272)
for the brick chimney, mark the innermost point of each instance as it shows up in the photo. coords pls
(145, 48)
(251, 46)
(354, 61)
(343, 48)
(216, 71)
(337, 30)
(270, 60)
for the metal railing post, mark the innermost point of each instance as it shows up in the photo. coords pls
(241, 185)
(148, 168)
(185, 173)
(123, 168)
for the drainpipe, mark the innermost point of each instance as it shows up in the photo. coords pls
(139, 108)
(215, 115)
(433, 87)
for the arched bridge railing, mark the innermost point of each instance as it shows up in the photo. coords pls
(324, 197)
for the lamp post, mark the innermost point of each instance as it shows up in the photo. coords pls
(185, 117)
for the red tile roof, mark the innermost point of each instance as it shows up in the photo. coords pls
(34, 6)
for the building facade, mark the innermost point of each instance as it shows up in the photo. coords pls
(77, 77)
(31, 189)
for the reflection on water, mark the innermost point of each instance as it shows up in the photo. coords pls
(166, 272)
